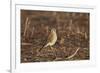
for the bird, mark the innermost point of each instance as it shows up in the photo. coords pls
(51, 40)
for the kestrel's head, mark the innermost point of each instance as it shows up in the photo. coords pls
(53, 30)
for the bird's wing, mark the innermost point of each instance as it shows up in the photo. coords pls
(50, 37)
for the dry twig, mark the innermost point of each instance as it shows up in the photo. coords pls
(71, 56)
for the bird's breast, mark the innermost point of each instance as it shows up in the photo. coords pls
(54, 37)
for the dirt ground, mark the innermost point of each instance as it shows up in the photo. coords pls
(72, 36)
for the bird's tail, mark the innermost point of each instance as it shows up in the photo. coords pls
(43, 47)
(46, 45)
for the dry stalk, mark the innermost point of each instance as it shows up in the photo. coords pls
(27, 22)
